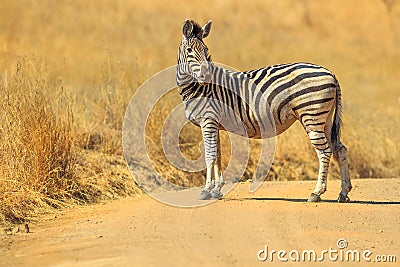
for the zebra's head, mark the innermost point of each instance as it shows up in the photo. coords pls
(193, 57)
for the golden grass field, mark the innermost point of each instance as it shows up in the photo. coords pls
(69, 68)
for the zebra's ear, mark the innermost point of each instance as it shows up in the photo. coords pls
(187, 28)
(206, 29)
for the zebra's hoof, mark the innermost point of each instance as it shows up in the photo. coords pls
(204, 195)
(314, 198)
(343, 199)
(216, 194)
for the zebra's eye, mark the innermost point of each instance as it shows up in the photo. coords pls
(189, 49)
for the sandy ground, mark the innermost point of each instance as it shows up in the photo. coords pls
(230, 232)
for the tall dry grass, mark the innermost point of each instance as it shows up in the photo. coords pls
(46, 161)
(69, 68)
(37, 152)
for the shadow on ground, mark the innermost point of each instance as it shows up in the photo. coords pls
(305, 200)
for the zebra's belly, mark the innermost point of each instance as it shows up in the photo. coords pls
(252, 123)
(257, 126)
(249, 131)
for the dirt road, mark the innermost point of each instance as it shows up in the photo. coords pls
(230, 232)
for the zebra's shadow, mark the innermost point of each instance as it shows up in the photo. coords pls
(302, 200)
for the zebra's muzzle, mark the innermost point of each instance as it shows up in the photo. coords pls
(205, 78)
(204, 75)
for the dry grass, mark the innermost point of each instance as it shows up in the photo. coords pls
(69, 68)
(42, 163)
(37, 148)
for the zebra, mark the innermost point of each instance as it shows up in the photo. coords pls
(247, 102)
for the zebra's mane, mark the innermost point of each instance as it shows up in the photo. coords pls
(196, 28)
(195, 33)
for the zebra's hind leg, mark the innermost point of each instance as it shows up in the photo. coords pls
(324, 152)
(341, 156)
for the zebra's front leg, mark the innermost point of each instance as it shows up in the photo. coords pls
(209, 129)
(206, 192)
(218, 179)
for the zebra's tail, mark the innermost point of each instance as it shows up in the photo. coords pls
(337, 121)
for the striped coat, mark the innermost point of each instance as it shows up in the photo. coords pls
(259, 103)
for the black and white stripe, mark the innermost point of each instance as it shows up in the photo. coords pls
(259, 103)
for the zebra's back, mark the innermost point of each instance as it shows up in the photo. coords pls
(295, 91)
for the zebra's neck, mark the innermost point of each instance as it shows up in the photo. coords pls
(189, 87)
